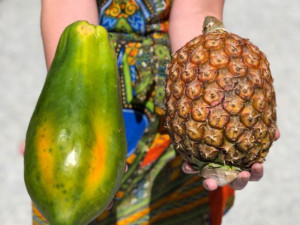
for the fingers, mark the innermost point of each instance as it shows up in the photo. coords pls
(126, 168)
(277, 134)
(257, 172)
(22, 147)
(187, 168)
(210, 184)
(241, 181)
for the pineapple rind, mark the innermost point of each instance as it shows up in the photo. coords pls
(220, 101)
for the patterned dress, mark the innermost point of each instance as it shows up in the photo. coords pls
(154, 190)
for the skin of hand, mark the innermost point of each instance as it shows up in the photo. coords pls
(242, 179)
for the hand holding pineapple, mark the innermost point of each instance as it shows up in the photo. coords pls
(220, 106)
(240, 182)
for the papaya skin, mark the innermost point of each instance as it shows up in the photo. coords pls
(76, 148)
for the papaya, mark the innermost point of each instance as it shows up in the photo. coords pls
(76, 147)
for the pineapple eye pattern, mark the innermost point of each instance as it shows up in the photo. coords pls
(221, 100)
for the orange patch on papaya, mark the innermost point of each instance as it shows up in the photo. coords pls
(98, 162)
(44, 155)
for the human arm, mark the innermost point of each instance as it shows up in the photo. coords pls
(57, 14)
(187, 17)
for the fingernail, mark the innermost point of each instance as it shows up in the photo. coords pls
(206, 186)
(245, 179)
(277, 134)
(257, 169)
(186, 167)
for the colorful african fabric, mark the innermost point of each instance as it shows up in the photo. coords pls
(154, 190)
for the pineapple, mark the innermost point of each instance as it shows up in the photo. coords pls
(220, 103)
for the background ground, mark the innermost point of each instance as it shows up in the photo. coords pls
(272, 25)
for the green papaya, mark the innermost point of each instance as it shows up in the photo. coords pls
(76, 148)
